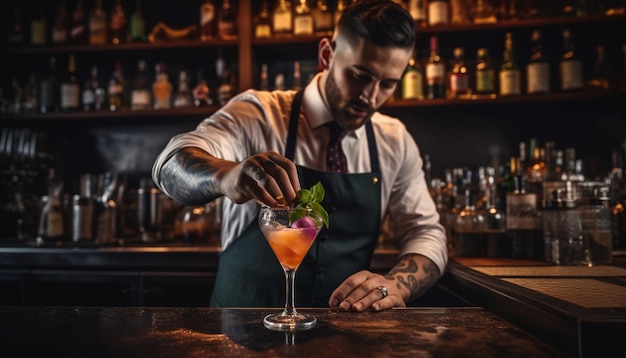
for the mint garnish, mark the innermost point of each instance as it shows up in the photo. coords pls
(309, 204)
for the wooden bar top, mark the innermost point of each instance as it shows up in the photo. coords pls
(209, 332)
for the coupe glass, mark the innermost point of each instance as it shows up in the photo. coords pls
(290, 244)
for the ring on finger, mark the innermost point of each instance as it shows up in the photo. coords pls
(383, 291)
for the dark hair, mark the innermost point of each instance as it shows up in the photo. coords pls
(382, 22)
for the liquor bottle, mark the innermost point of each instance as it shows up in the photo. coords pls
(93, 92)
(141, 93)
(226, 89)
(78, 27)
(162, 88)
(459, 12)
(116, 88)
(435, 72)
(522, 217)
(538, 68)
(70, 89)
(485, 74)
(118, 25)
(496, 241)
(98, 27)
(297, 76)
(571, 67)
(484, 13)
(49, 89)
(30, 100)
(226, 21)
(322, 18)
(39, 26)
(15, 36)
(458, 76)
(510, 76)
(302, 19)
(413, 81)
(282, 18)
(207, 20)
(138, 24)
(468, 229)
(52, 216)
(201, 92)
(417, 9)
(536, 171)
(182, 95)
(600, 73)
(60, 25)
(262, 22)
(438, 13)
(264, 84)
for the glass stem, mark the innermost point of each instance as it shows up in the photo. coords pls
(290, 276)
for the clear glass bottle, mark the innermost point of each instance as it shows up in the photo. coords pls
(262, 22)
(227, 21)
(469, 227)
(413, 81)
(162, 88)
(435, 72)
(302, 19)
(141, 93)
(485, 75)
(93, 92)
(497, 243)
(282, 18)
(208, 26)
(182, 96)
(98, 27)
(458, 76)
(570, 67)
(509, 75)
(538, 68)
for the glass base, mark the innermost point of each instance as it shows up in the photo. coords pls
(289, 322)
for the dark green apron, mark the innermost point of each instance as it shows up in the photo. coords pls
(249, 274)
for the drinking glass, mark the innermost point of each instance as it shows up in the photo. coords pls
(290, 242)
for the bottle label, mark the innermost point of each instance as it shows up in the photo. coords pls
(207, 14)
(459, 82)
(140, 99)
(521, 212)
(538, 77)
(97, 31)
(485, 81)
(38, 33)
(282, 22)
(437, 13)
(435, 73)
(89, 97)
(412, 85)
(54, 222)
(571, 75)
(263, 30)
(510, 83)
(59, 36)
(70, 95)
(226, 29)
(303, 25)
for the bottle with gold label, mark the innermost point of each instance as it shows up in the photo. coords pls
(226, 22)
(282, 18)
(413, 81)
(262, 22)
(458, 76)
(302, 19)
(510, 76)
(98, 27)
(60, 29)
(162, 88)
(570, 67)
(485, 75)
(323, 18)
(538, 68)
(438, 13)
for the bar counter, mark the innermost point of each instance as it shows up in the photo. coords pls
(207, 332)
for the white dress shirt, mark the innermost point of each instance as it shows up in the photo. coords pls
(255, 122)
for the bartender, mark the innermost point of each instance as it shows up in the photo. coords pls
(263, 146)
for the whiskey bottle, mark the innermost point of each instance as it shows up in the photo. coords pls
(538, 68)
(70, 89)
(509, 75)
(49, 89)
(485, 75)
(39, 26)
(207, 20)
(98, 27)
(417, 9)
(16, 36)
(438, 13)
(302, 19)
(484, 13)
(78, 27)
(162, 88)
(116, 88)
(140, 93)
(52, 216)
(118, 26)
(282, 18)
(458, 76)
(60, 31)
(138, 24)
(413, 81)
(182, 96)
(459, 12)
(93, 92)
(226, 21)
(600, 74)
(262, 22)
(570, 67)
(322, 18)
(435, 72)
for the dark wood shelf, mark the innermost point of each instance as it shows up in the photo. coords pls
(122, 114)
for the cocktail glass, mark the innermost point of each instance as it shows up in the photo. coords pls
(290, 242)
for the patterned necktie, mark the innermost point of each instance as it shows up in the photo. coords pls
(335, 157)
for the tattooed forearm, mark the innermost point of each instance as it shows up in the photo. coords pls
(408, 274)
(189, 177)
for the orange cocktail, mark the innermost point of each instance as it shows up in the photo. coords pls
(290, 245)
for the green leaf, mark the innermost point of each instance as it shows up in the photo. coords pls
(317, 192)
(304, 196)
(320, 212)
(309, 203)
(297, 213)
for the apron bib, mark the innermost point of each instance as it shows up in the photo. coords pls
(249, 274)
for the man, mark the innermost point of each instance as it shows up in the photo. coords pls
(264, 146)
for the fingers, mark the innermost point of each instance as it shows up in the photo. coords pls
(275, 178)
(359, 292)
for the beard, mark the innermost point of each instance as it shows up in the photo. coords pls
(339, 107)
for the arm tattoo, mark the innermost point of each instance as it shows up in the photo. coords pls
(189, 177)
(407, 272)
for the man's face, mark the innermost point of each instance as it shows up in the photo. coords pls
(361, 77)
